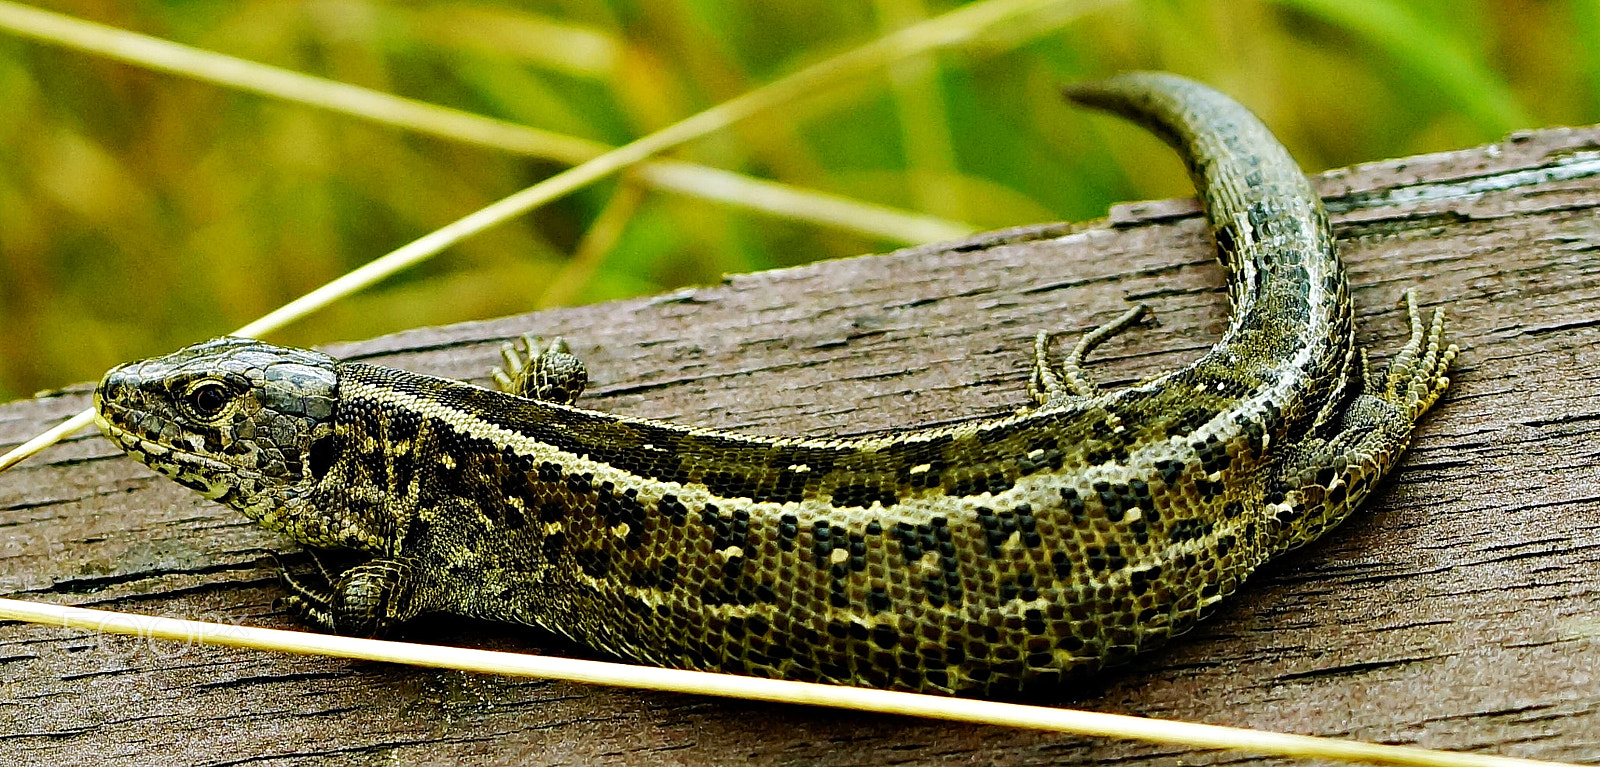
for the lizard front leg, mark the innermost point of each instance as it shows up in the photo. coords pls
(549, 374)
(365, 600)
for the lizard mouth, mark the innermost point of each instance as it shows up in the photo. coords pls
(193, 470)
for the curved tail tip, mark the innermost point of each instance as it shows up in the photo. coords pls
(1117, 88)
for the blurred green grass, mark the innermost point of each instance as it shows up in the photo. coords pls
(142, 211)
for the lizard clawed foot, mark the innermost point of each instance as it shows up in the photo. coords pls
(1417, 375)
(310, 602)
(1048, 386)
(550, 374)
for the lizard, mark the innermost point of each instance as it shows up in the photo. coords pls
(983, 558)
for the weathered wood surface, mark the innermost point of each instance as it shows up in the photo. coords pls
(1459, 611)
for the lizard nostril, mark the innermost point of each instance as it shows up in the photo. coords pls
(116, 382)
(110, 388)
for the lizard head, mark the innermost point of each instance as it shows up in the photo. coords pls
(240, 421)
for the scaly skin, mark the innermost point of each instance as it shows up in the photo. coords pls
(981, 558)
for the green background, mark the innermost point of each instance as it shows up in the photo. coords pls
(140, 211)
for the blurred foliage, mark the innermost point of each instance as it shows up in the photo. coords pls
(140, 211)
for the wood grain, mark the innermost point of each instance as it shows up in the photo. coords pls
(1460, 610)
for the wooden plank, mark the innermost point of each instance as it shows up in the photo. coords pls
(1458, 611)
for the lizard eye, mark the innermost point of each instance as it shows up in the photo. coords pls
(208, 399)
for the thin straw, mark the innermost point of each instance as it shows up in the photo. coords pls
(753, 688)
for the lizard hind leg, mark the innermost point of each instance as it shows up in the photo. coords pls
(1049, 386)
(550, 374)
(1325, 477)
